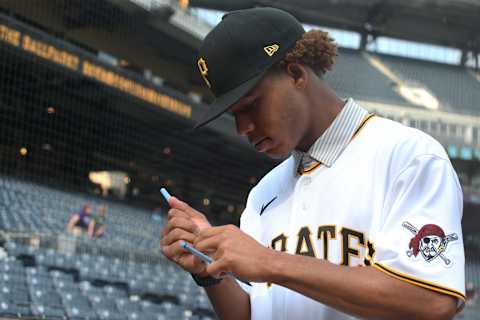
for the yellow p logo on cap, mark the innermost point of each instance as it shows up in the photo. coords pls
(202, 66)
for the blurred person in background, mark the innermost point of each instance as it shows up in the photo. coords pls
(97, 225)
(471, 293)
(79, 221)
(3, 252)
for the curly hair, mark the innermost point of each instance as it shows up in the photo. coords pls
(315, 49)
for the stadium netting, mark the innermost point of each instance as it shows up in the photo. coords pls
(95, 109)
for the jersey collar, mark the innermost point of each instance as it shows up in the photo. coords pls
(330, 145)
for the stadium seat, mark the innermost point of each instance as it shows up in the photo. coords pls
(109, 314)
(460, 98)
(151, 307)
(17, 294)
(114, 292)
(349, 79)
(146, 316)
(124, 305)
(80, 313)
(10, 309)
(14, 278)
(11, 266)
(47, 312)
(17, 250)
(63, 276)
(37, 271)
(178, 313)
(71, 300)
(47, 209)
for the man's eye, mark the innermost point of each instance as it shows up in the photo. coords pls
(245, 107)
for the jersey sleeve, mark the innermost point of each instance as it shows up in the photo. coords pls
(420, 236)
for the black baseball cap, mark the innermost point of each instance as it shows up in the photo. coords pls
(238, 52)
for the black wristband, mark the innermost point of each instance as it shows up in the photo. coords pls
(205, 281)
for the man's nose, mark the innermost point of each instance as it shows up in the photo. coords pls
(244, 124)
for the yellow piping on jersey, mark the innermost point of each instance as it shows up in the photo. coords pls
(370, 258)
(311, 168)
(418, 282)
(360, 127)
(364, 122)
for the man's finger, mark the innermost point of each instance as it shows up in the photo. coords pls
(176, 203)
(218, 269)
(191, 263)
(210, 232)
(176, 235)
(174, 250)
(177, 213)
(209, 244)
(180, 223)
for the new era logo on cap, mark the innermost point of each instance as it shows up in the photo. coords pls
(270, 50)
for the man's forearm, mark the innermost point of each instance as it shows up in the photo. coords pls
(360, 291)
(229, 300)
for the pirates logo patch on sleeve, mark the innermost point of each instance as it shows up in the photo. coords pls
(430, 241)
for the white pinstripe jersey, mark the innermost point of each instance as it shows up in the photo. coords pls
(390, 200)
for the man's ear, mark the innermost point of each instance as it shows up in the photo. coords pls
(298, 73)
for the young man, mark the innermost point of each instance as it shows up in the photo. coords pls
(361, 220)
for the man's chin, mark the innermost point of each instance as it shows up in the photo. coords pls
(276, 153)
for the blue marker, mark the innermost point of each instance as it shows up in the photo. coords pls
(165, 194)
(194, 251)
(207, 259)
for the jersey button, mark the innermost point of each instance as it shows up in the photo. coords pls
(307, 181)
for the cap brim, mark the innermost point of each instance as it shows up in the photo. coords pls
(225, 101)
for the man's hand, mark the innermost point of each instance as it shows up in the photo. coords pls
(184, 223)
(234, 251)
